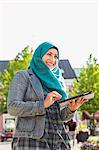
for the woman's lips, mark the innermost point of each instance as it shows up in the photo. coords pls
(49, 64)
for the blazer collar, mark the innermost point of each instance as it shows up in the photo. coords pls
(35, 82)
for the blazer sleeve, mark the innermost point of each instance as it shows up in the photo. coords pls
(66, 114)
(16, 104)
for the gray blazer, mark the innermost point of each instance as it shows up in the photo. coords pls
(26, 103)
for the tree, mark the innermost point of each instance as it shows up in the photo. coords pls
(21, 62)
(1, 96)
(89, 81)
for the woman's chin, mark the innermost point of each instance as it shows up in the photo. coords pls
(51, 68)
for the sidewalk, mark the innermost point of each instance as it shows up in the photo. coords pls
(76, 146)
(5, 145)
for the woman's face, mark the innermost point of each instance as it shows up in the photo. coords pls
(51, 58)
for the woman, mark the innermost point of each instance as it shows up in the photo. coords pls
(34, 98)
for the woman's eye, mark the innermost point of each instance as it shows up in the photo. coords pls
(49, 54)
(56, 57)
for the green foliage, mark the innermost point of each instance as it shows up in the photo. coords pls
(89, 81)
(21, 62)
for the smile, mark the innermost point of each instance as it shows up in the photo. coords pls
(50, 64)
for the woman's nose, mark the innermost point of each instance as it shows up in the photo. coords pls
(52, 58)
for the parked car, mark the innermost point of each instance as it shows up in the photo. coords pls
(5, 134)
(2, 136)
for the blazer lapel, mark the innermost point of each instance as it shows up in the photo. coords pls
(36, 84)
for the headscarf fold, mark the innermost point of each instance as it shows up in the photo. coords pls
(51, 80)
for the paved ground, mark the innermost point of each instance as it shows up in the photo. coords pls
(5, 146)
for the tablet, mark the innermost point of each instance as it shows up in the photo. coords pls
(87, 95)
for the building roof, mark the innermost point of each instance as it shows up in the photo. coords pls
(68, 72)
(86, 115)
(3, 65)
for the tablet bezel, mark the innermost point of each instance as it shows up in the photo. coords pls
(76, 97)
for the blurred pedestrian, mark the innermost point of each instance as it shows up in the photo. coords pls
(71, 126)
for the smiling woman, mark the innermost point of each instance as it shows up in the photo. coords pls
(34, 98)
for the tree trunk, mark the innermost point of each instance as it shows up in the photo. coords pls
(94, 131)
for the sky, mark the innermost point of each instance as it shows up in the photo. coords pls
(71, 25)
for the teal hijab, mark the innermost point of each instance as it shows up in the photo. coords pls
(51, 80)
